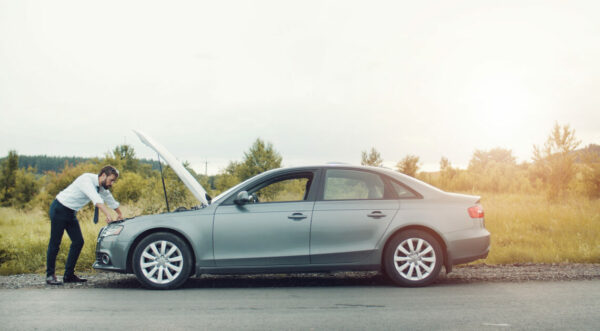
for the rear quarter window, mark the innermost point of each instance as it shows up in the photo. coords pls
(402, 191)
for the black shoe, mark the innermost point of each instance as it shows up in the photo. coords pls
(51, 280)
(73, 279)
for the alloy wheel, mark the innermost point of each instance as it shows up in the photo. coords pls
(161, 262)
(414, 259)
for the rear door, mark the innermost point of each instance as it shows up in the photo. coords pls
(353, 210)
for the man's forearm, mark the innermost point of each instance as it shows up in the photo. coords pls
(104, 210)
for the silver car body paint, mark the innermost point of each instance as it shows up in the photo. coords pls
(309, 235)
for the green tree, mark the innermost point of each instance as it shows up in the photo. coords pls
(228, 178)
(482, 159)
(495, 170)
(124, 158)
(129, 187)
(409, 165)
(588, 178)
(260, 158)
(8, 177)
(26, 187)
(554, 163)
(373, 158)
(447, 173)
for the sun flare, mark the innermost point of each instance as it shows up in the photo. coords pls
(499, 100)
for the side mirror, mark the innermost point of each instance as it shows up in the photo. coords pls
(242, 198)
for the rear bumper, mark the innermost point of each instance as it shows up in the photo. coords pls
(468, 247)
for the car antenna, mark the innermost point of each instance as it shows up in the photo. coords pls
(163, 182)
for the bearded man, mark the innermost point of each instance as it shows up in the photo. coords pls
(87, 187)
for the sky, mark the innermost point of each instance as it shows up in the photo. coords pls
(320, 80)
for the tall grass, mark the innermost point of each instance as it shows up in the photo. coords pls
(528, 228)
(524, 228)
(24, 239)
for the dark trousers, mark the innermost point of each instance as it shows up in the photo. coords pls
(61, 219)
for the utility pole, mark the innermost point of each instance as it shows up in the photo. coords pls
(206, 167)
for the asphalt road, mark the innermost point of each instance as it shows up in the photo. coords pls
(568, 305)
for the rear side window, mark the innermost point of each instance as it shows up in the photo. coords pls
(352, 185)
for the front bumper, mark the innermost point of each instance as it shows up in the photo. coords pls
(111, 254)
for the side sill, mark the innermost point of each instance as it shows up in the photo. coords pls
(286, 269)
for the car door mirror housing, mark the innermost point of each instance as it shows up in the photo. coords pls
(242, 198)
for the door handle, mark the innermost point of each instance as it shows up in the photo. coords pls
(297, 216)
(376, 214)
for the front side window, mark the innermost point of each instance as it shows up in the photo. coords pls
(352, 185)
(289, 188)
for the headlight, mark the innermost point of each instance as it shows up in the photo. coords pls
(111, 230)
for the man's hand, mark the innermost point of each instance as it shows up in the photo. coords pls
(106, 211)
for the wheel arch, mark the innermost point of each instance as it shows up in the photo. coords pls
(432, 232)
(148, 232)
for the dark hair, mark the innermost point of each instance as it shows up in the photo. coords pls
(109, 170)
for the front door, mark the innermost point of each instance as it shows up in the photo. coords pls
(272, 229)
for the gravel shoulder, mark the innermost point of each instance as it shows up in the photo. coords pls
(460, 274)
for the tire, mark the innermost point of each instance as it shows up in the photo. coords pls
(413, 258)
(162, 261)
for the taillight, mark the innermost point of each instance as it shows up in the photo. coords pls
(476, 211)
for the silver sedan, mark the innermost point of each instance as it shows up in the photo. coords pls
(302, 219)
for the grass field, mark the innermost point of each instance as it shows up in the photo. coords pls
(524, 229)
(24, 241)
(529, 229)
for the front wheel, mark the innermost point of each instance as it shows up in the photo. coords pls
(162, 261)
(413, 258)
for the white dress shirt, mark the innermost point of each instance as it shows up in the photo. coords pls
(83, 190)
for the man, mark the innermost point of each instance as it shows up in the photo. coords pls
(87, 187)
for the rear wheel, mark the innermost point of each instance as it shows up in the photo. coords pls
(162, 261)
(413, 258)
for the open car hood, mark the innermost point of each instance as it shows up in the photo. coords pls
(185, 176)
